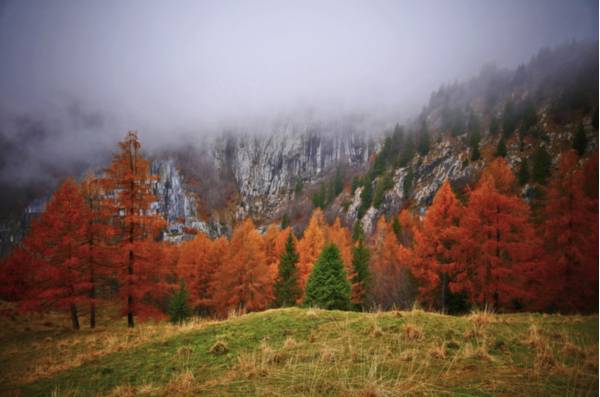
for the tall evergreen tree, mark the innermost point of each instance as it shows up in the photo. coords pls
(285, 221)
(361, 274)
(494, 125)
(474, 139)
(357, 231)
(509, 121)
(523, 175)
(542, 162)
(407, 152)
(501, 149)
(580, 140)
(179, 308)
(423, 142)
(328, 286)
(366, 197)
(287, 289)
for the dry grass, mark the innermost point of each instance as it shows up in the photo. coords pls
(67, 349)
(412, 332)
(311, 352)
(182, 384)
(218, 348)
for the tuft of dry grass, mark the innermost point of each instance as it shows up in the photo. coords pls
(123, 391)
(481, 318)
(218, 348)
(182, 384)
(412, 332)
(438, 351)
(290, 343)
(408, 355)
(477, 351)
(185, 352)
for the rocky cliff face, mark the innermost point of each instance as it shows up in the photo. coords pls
(448, 159)
(265, 167)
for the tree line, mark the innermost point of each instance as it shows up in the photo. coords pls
(99, 241)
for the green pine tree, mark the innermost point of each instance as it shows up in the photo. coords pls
(357, 231)
(408, 183)
(384, 184)
(328, 286)
(580, 140)
(407, 152)
(474, 139)
(397, 228)
(366, 197)
(287, 290)
(423, 142)
(501, 149)
(509, 121)
(179, 309)
(494, 125)
(362, 274)
(523, 174)
(285, 221)
(542, 162)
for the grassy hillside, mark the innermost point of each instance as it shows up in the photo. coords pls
(306, 352)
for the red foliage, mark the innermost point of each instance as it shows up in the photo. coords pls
(58, 249)
(570, 231)
(198, 261)
(390, 263)
(244, 280)
(137, 255)
(310, 246)
(435, 247)
(497, 244)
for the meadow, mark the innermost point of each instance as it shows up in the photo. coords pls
(304, 352)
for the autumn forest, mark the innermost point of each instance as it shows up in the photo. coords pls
(98, 242)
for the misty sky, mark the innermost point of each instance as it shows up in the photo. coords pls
(91, 69)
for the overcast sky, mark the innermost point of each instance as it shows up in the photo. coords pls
(165, 66)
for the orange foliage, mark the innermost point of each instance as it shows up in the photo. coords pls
(130, 182)
(570, 234)
(390, 263)
(435, 247)
(497, 245)
(58, 249)
(340, 236)
(274, 243)
(244, 280)
(196, 265)
(310, 246)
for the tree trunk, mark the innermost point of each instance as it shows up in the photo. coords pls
(129, 296)
(74, 317)
(93, 300)
(443, 293)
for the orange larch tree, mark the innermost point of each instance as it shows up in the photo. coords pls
(16, 274)
(129, 182)
(244, 280)
(196, 266)
(435, 248)
(100, 236)
(497, 244)
(58, 248)
(570, 231)
(340, 236)
(274, 243)
(393, 284)
(311, 245)
(404, 226)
